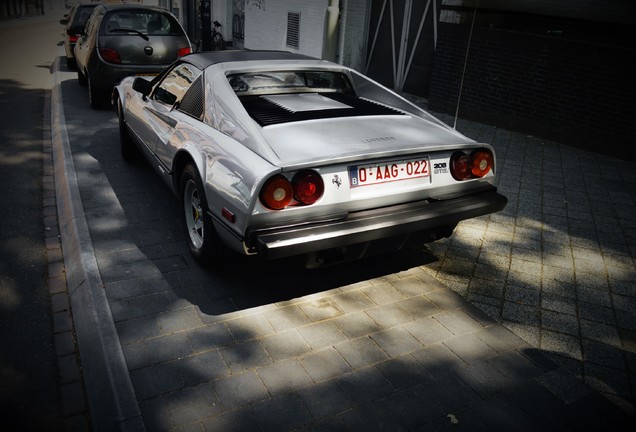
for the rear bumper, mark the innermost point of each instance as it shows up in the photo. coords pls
(395, 221)
(109, 75)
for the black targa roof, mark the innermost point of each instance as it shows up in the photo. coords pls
(204, 59)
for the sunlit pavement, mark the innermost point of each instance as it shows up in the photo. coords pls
(522, 319)
(557, 266)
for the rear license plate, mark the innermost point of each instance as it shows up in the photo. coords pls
(372, 174)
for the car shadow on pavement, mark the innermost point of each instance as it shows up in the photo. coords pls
(135, 219)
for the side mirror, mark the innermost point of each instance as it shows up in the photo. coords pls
(165, 96)
(142, 86)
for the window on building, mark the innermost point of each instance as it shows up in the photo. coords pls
(293, 30)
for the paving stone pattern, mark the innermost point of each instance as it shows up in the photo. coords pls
(521, 320)
(557, 266)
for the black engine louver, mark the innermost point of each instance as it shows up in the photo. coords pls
(267, 113)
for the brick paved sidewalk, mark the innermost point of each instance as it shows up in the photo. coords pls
(380, 344)
(558, 265)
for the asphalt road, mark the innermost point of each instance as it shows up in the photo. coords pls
(28, 366)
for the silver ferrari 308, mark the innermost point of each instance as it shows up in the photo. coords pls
(279, 154)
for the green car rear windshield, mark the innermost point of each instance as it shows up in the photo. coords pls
(140, 21)
(278, 82)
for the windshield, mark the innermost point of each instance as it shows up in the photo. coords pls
(141, 21)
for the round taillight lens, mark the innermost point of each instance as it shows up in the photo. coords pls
(460, 164)
(277, 193)
(308, 187)
(110, 55)
(481, 163)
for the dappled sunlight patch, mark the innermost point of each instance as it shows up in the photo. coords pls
(561, 344)
(9, 297)
(529, 224)
(469, 234)
(622, 281)
(529, 266)
(618, 259)
(524, 234)
(522, 279)
(19, 158)
(107, 217)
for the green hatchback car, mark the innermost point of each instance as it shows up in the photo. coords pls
(121, 40)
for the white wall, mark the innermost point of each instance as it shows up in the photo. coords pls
(266, 25)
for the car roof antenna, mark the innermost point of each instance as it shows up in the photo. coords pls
(461, 83)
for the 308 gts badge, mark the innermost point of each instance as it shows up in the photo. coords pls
(440, 167)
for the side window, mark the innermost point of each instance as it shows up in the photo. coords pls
(83, 16)
(175, 84)
(192, 102)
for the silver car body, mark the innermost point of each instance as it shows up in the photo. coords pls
(235, 154)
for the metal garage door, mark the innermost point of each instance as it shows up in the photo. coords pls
(402, 37)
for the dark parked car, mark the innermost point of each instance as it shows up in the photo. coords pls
(74, 22)
(121, 40)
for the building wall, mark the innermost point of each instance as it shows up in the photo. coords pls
(578, 92)
(266, 25)
(354, 18)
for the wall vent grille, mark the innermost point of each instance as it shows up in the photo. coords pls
(293, 30)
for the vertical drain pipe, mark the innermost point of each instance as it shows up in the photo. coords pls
(331, 31)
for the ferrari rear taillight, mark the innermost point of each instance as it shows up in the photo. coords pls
(277, 193)
(110, 55)
(482, 163)
(184, 51)
(459, 166)
(468, 166)
(308, 186)
(305, 188)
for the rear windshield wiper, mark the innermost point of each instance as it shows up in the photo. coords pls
(126, 30)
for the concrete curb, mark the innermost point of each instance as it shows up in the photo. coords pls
(111, 397)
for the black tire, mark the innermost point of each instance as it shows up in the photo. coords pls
(96, 95)
(203, 241)
(70, 63)
(81, 78)
(127, 147)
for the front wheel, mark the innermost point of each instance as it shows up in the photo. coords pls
(205, 244)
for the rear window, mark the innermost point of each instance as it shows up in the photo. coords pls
(141, 21)
(278, 82)
(81, 15)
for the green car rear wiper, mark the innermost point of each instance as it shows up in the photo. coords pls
(126, 30)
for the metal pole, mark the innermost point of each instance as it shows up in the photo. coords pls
(461, 83)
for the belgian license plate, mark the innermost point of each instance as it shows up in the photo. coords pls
(383, 172)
